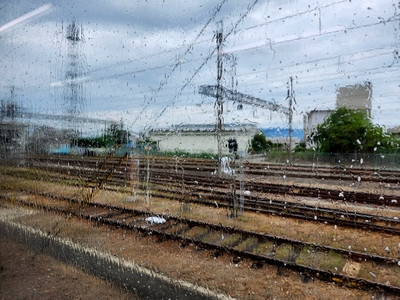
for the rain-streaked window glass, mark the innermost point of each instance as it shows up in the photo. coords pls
(200, 149)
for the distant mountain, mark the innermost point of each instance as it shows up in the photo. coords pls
(277, 132)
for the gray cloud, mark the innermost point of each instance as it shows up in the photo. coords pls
(151, 56)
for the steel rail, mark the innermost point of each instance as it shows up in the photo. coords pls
(176, 228)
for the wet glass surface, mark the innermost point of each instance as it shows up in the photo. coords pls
(230, 102)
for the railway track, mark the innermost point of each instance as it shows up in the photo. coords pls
(281, 189)
(213, 191)
(117, 171)
(260, 248)
(340, 172)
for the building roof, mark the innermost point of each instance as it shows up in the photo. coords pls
(394, 129)
(208, 127)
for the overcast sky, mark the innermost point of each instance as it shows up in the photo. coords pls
(143, 61)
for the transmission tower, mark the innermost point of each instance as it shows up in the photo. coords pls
(74, 100)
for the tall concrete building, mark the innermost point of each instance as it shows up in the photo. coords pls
(357, 96)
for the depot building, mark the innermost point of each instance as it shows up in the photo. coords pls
(203, 138)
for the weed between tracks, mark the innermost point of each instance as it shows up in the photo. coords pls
(357, 239)
(331, 261)
(247, 244)
(232, 240)
(314, 232)
(196, 232)
(298, 229)
(266, 248)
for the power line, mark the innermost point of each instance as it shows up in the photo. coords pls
(364, 55)
(217, 9)
(174, 66)
(209, 56)
(124, 62)
(392, 19)
(299, 38)
(297, 14)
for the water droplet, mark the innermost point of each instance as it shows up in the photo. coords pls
(372, 274)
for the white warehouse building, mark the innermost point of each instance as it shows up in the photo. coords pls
(203, 138)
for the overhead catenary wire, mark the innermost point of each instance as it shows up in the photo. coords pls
(217, 9)
(305, 79)
(263, 70)
(210, 55)
(392, 19)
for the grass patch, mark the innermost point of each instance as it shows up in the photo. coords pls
(43, 176)
(179, 229)
(196, 231)
(185, 154)
(283, 251)
(333, 260)
(246, 243)
(305, 256)
(213, 237)
(232, 239)
(396, 271)
(243, 218)
(264, 248)
(365, 271)
(380, 273)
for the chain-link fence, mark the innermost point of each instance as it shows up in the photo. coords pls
(371, 160)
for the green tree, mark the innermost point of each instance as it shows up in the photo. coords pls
(259, 142)
(114, 135)
(348, 130)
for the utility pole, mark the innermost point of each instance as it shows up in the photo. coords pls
(219, 106)
(290, 97)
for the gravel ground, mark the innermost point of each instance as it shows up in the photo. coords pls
(45, 278)
(26, 274)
